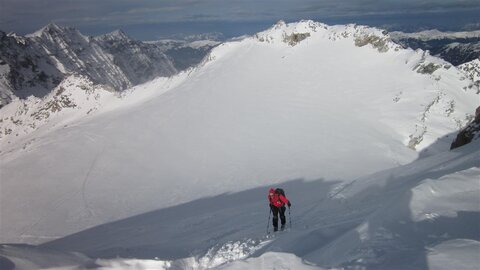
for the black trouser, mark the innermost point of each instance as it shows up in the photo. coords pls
(275, 211)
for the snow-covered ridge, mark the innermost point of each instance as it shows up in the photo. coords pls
(444, 101)
(294, 33)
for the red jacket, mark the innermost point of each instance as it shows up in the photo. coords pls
(275, 199)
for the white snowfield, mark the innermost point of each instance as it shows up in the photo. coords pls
(423, 215)
(175, 173)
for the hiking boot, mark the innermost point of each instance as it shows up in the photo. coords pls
(283, 227)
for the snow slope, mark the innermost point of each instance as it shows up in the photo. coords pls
(423, 215)
(298, 101)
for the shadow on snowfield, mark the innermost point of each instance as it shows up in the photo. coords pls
(191, 229)
(364, 224)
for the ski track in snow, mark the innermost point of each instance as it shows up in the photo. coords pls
(84, 184)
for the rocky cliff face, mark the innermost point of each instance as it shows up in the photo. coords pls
(139, 61)
(470, 133)
(26, 68)
(38, 62)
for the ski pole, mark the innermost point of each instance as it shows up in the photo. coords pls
(268, 220)
(290, 218)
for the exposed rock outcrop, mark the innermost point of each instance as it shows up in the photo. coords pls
(469, 133)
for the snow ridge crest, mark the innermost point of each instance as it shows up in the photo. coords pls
(294, 33)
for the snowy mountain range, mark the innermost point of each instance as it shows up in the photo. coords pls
(455, 47)
(35, 71)
(38, 62)
(173, 173)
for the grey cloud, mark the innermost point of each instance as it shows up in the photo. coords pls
(29, 15)
(26, 13)
(369, 7)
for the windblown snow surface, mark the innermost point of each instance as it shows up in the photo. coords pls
(174, 175)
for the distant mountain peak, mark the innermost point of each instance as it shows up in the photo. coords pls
(117, 34)
(51, 28)
(286, 33)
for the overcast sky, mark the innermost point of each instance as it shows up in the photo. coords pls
(151, 19)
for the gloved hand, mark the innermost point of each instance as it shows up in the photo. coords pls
(289, 204)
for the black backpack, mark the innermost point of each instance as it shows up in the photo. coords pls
(280, 191)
